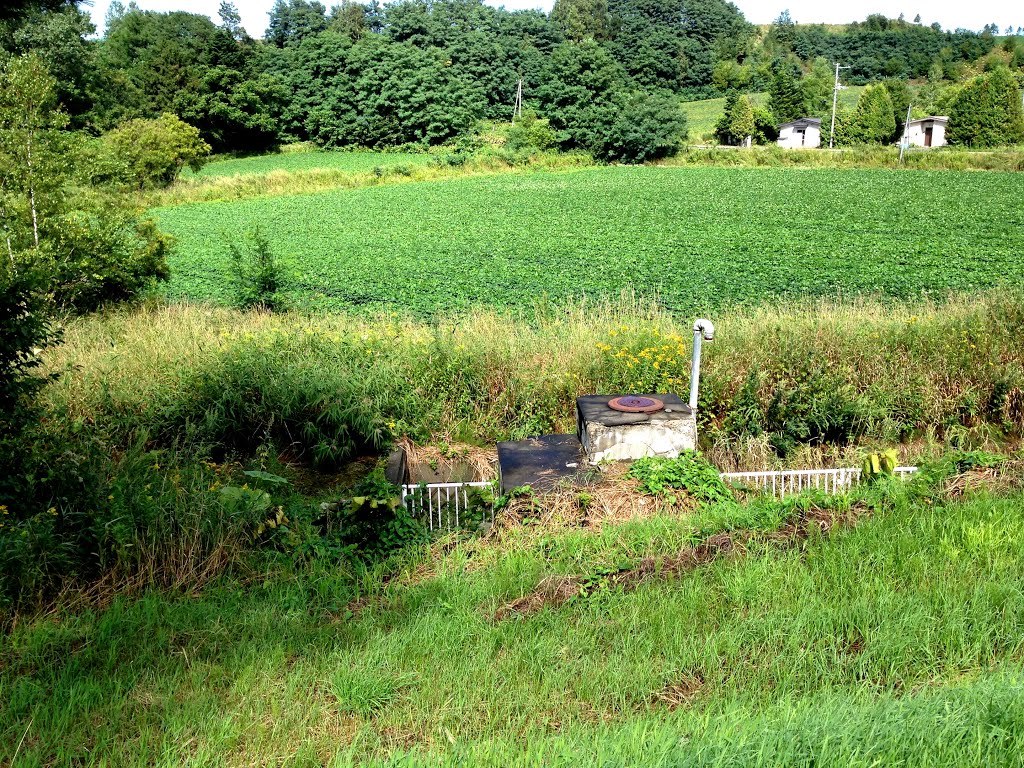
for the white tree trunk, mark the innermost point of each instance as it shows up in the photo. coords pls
(32, 191)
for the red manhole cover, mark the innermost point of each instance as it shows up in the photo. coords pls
(636, 404)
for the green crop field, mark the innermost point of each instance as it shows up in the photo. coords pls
(354, 162)
(699, 238)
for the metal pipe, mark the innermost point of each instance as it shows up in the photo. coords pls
(703, 330)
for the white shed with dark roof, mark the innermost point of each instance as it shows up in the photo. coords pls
(927, 132)
(799, 134)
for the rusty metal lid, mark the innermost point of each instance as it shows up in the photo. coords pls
(636, 404)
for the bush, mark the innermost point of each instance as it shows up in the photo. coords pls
(530, 133)
(25, 330)
(636, 128)
(111, 256)
(374, 522)
(151, 153)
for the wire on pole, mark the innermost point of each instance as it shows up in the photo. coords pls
(835, 99)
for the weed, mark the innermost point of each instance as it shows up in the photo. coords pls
(691, 473)
(259, 276)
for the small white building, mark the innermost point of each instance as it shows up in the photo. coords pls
(805, 132)
(926, 132)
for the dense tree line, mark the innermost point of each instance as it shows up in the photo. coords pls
(880, 47)
(426, 71)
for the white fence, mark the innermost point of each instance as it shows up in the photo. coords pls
(788, 482)
(443, 504)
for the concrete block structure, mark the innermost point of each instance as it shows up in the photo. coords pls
(610, 435)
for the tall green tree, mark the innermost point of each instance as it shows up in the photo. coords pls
(899, 93)
(987, 112)
(873, 120)
(785, 99)
(737, 121)
(33, 145)
(89, 243)
(817, 87)
(291, 21)
(231, 20)
(582, 77)
(581, 20)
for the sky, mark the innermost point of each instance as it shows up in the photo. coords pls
(951, 14)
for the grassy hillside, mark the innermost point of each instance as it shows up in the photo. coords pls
(702, 115)
(699, 238)
(896, 638)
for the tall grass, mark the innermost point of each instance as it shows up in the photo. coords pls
(866, 157)
(157, 408)
(775, 379)
(281, 181)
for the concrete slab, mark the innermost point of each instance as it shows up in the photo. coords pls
(610, 435)
(543, 462)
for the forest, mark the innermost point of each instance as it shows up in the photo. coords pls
(417, 72)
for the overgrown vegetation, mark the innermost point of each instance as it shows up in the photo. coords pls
(158, 409)
(259, 275)
(778, 651)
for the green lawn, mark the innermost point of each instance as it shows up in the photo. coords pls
(699, 238)
(896, 642)
(354, 162)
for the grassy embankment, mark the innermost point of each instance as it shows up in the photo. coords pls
(700, 239)
(893, 639)
(160, 409)
(308, 170)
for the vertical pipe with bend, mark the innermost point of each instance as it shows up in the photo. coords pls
(703, 330)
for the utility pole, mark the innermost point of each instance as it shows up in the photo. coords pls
(905, 138)
(835, 99)
(517, 109)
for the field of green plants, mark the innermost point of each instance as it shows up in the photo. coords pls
(352, 162)
(697, 238)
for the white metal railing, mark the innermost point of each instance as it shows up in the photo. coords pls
(444, 504)
(790, 481)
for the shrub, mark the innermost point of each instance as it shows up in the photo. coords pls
(151, 153)
(258, 274)
(25, 330)
(530, 133)
(636, 128)
(374, 522)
